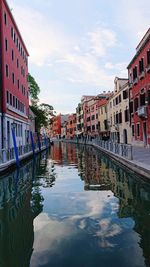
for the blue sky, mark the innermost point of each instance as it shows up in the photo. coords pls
(78, 47)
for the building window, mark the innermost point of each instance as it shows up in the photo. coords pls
(131, 107)
(134, 72)
(138, 129)
(96, 116)
(125, 94)
(116, 100)
(148, 57)
(111, 121)
(12, 55)
(93, 127)
(17, 63)
(136, 104)
(132, 129)
(120, 98)
(6, 45)
(12, 32)
(13, 78)
(5, 18)
(14, 101)
(21, 70)
(18, 84)
(120, 117)
(141, 65)
(11, 99)
(105, 125)
(126, 115)
(142, 99)
(110, 104)
(14, 37)
(22, 89)
(93, 117)
(7, 71)
(130, 78)
(114, 118)
(19, 105)
(7, 97)
(117, 118)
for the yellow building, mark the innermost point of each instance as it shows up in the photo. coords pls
(118, 112)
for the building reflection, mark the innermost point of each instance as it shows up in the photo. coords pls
(93, 170)
(64, 154)
(132, 193)
(21, 198)
(19, 205)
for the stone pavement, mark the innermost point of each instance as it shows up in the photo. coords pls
(141, 155)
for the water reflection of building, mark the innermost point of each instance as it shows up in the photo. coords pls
(64, 153)
(132, 193)
(92, 170)
(134, 202)
(18, 208)
(56, 152)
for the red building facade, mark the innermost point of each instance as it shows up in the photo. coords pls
(57, 123)
(71, 126)
(56, 126)
(139, 83)
(13, 80)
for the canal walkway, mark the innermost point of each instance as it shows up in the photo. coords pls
(136, 159)
(141, 156)
(140, 162)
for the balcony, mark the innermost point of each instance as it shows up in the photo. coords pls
(130, 85)
(141, 76)
(148, 68)
(142, 111)
(135, 81)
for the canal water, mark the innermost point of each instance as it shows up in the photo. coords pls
(74, 207)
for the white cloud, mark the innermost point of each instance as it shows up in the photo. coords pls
(101, 39)
(135, 20)
(72, 61)
(119, 68)
(43, 40)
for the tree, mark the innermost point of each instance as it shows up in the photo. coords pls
(43, 112)
(34, 90)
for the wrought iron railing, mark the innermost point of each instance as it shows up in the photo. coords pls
(123, 150)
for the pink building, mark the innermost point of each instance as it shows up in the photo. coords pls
(13, 80)
(71, 126)
(90, 111)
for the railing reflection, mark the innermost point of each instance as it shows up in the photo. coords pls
(20, 202)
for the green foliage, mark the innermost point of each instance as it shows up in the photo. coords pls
(43, 112)
(34, 89)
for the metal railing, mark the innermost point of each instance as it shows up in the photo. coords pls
(7, 155)
(123, 150)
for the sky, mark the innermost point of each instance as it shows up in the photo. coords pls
(78, 47)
